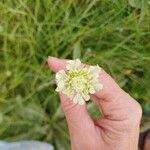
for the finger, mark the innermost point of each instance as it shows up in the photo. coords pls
(110, 88)
(116, 104)
(77, 116)
(111, 98)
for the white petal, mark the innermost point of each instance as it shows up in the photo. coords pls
(98, 87)
(77, 63)
(86, 97)
(94, 71)
(69, 67)
(75, 99)
(57, 89)
(73, 64)
(61, 85)
(61, 75)
(96, 84)
(81, 102)
(78, 99)
(92, 90)
(70, 61)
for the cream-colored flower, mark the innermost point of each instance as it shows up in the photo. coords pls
(78, 82)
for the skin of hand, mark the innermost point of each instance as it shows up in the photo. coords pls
(118, 130)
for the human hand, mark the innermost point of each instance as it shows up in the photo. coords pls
(118, 130)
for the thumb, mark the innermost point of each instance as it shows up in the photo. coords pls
(77, 116)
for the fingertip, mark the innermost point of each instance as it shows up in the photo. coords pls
(56, 64)
(49, 61)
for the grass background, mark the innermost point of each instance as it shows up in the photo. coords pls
(114, 34)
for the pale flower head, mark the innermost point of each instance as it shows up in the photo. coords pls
(78, 82)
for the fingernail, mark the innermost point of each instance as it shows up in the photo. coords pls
(51, 57)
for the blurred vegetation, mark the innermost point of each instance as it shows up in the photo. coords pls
(114, 34)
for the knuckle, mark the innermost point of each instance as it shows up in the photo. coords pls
(136, 112)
